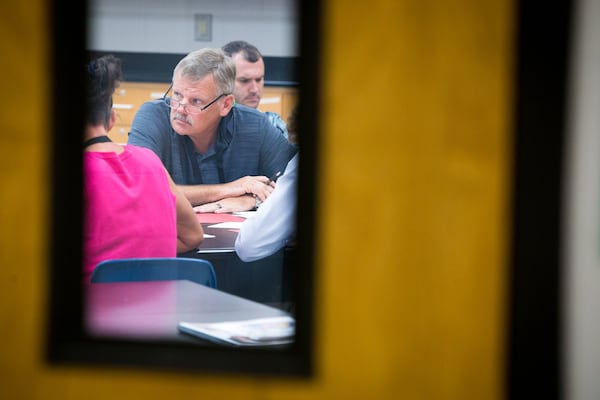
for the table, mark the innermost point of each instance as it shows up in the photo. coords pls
(151, 310)
(218, 240)
(264, 281)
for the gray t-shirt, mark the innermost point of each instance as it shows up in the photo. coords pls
(246, 144)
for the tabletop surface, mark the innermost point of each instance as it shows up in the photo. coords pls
(220, 232)
(266, 281)
(152, 310)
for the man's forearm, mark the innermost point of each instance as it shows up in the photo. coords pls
(200, 194)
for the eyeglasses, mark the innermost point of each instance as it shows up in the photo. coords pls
(191, 108)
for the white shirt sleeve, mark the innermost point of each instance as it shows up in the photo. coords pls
(274, 223)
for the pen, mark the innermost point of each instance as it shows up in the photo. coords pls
(274, 177)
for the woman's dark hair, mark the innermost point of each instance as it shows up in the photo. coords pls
(103, 77)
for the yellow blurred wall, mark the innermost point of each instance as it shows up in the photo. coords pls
(415, 147)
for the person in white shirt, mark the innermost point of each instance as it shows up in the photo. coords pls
(274, 224)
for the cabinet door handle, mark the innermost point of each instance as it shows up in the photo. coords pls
(270, 100)
(123, 106)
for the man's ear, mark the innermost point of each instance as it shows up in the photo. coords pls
(228, 103)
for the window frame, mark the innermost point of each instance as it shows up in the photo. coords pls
(67, 342)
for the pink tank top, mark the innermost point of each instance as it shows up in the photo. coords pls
(129, 207)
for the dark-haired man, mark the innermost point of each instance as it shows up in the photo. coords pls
(250, 78)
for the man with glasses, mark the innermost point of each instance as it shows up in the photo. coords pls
(220, 155)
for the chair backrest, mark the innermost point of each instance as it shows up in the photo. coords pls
(155, 269)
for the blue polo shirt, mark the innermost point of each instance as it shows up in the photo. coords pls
(246, 144)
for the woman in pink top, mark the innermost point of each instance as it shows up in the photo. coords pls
(132, 207)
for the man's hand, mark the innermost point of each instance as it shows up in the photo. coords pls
(260, 186)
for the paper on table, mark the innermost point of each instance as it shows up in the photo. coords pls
(227, 225)
(253, 332)
(245, 214)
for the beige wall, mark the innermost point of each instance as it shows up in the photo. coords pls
(415, 151)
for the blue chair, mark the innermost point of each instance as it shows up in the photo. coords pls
(155, 269)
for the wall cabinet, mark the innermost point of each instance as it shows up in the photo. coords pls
(128, 97)
(279, 99)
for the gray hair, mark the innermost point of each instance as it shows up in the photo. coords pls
(199, 63)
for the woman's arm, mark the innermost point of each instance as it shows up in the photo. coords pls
(189, 230)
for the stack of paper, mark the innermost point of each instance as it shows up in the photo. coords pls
(253, 332)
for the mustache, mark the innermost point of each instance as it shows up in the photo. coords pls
(182, 117)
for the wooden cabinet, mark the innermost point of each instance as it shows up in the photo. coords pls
(279, 99)
(129, 96)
